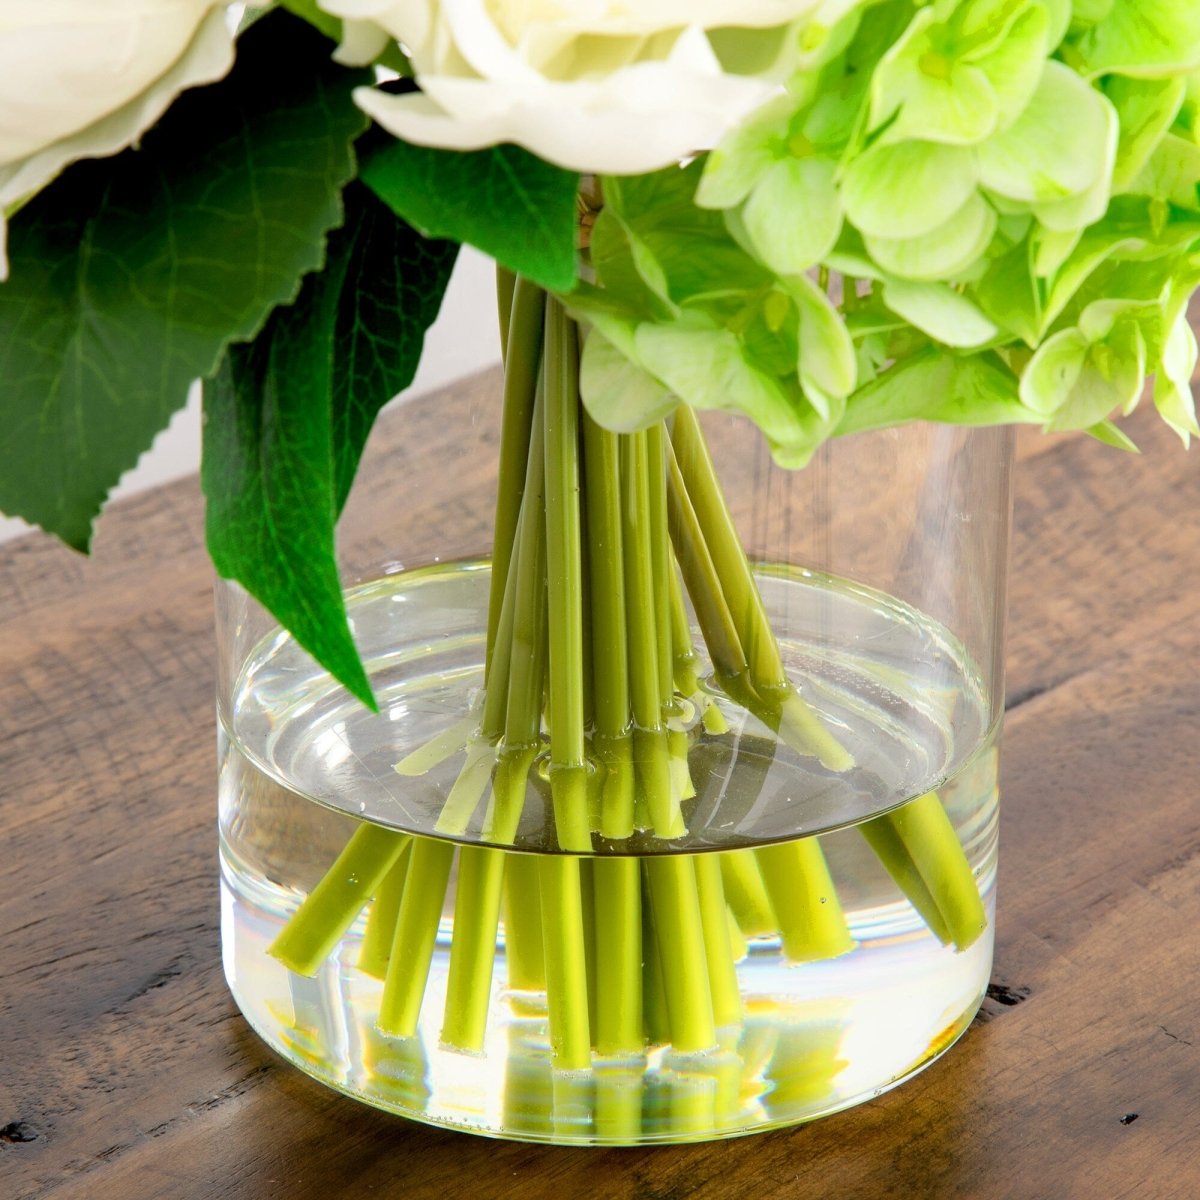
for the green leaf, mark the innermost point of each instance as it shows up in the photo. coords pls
(392, 285)
(1111, 434)
(130, 276)
(286, 419)
(269, 477)
(504, 200)
(936, 385)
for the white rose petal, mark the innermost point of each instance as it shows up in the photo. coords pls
(79, 79)
(592, 85)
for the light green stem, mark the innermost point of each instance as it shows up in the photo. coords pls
(381, 920)
(473, 948)
(618, 892)
(610, 657)
(467, 791)
(416, 935)
(566, 962)
(655, 1017)
(522, 362)
(523, 925)
(506, 283)
(564, 573)
(927, 835)
(747, 894)
(435, 751)
(660, 559)
(673, 896)
(882, 837)
(718, 950)
(651, 752)
(770, 695)
(811, 922)
(321, 921)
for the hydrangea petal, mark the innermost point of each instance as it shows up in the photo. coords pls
(907, 190)
(941, 254)
(794, 216)
(1045, 157)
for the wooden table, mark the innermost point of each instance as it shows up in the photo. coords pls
(126, 1071)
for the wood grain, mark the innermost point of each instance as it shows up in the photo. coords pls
(126, 1071)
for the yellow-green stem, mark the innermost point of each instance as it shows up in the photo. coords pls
(473, 947)
(811, 922)
(618, 891)
(321, 921)
(416, 935)
(566, 962)
(381, 920)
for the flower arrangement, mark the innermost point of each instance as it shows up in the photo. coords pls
(827, 216)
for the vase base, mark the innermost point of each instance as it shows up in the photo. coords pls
(796, 1056)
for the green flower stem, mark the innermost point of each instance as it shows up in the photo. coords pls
(523, 924)
(718, 950)
(618, 892)
(660, 559)
(416, 934)
(321, 921)
(781, 707)
(928, 837)
(618, 1104)
(522, 366)
(610, 680)
(747, 894)
(496, 678)
(685, 661)
(467, 790)
(381, 919)
(439, 748)
(704, 586)
(738, 946)
(811, 922)
(506, 284)
(655, 1017)
(566, 961)
(882, 837)
(671, 882)
(473, 949)
(587, 905)
(651, 752)
(564, 560)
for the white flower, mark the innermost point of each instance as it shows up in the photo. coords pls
(84, 78)
(615, 86)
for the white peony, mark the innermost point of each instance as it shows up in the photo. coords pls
(84, 78)
(611, 86)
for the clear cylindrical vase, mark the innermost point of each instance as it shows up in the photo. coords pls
(678, 817)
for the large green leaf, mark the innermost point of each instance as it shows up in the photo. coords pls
(287, 416)
(503, 200)
(131, 275)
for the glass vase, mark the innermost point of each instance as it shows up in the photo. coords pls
(678, 817)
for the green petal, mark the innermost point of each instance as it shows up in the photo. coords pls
(1078, 212)
(976, 390)
(1054, 371)
(618, 393)
(1147, 109)
(827, 361)
(794, 216)
(1173, 386)
(908, 190)
(945, 315)
(1014, 69)
(1172, 174)
(707, 369)
(944, 253)
(1049, 153)
(1145, 38)
(745, 155)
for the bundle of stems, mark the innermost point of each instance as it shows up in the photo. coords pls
(591, 668)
